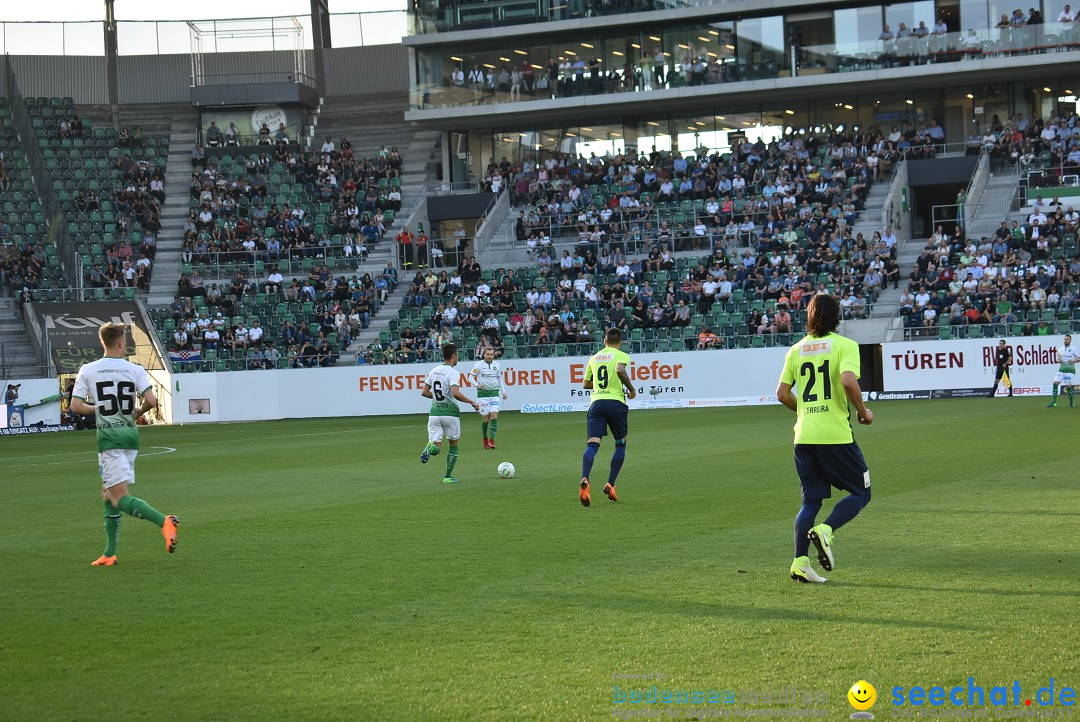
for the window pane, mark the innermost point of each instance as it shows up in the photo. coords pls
(84, 39)
(910, 14)
(382, 28)
(34, 38)
(174, 38)
(760, 40)
(974, 15)
(857, 30)
(345, 30)
(136, 38)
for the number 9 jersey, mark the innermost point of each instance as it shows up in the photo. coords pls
(113, 386)
(813, 366)
(603, 370)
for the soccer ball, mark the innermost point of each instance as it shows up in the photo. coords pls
(506, 470)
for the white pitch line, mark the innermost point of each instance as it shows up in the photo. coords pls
(316, 433)
(170, 449)
(87, 459)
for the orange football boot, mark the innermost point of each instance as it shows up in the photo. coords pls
(168, 530)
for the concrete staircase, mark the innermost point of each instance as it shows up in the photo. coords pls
(387, 313)
(992, 210)
(155, 118)
(994, 206)
(370, 123)
(18, 360)
(872, 218)
(174, 211)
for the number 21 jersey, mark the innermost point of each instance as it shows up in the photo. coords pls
(113, 385)
(813, 366)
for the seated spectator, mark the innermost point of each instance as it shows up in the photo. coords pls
(274, 279)
(213, 136)
(211, 339)
(708, 340)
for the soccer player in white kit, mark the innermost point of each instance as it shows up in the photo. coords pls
(487, 375)
(1068, 355)
(109, 388)
(441, 386)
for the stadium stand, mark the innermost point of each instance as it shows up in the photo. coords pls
(526, 312)
(110, 186)
(700, 201)
(27, 259)
(320, 220)
(1022, 277)
(631, 228)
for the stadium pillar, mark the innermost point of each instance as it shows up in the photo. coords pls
(111, 73)
(320, 37)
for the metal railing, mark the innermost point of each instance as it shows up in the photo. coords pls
(8, 363)
(954, 214)
(579, 346)
(974, 192)
(254, 265)
(987, 330)
(433, 17)
(292, 132)
(276, 76)
(172, 37)
(491, 220)
(1032, 180)
(685, 63)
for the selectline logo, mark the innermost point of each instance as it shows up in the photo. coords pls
(974, 695)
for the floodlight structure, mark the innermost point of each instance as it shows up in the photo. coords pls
(210, 38)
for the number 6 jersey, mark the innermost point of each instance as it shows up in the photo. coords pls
(441, 379)
(813, 366)
(113, 386)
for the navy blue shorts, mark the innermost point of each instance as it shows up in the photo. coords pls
(607, 414)
(822, 466)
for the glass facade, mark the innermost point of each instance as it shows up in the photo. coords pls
(960, 110)
(440, 16)
(649, 58)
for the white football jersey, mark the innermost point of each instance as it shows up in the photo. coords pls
(487, 375)
(442, 379)
(113, 386)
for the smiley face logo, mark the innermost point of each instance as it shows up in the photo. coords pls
(862, 695)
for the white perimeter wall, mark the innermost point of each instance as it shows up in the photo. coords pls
(664, 380)
(31, 392)
(969, 364)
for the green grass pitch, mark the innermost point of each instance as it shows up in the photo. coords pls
(324, 573)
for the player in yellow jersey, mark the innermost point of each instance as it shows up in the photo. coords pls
(607, 376)
(824, 367)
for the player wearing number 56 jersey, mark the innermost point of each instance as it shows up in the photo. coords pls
(820, 382)
(111, 388)
(441, 386)
(606, 375)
